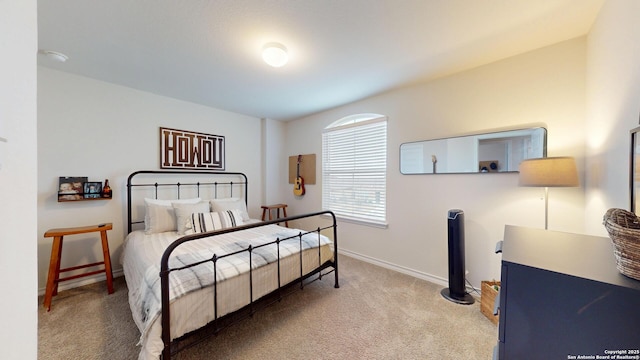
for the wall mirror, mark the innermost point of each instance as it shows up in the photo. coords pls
(500, 151)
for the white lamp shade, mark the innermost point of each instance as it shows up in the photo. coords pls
(275, 54)
(549, 172)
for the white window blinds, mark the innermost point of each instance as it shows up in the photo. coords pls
(354, 170)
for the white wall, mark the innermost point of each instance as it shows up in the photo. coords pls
(104, 131)
(613, 107)
(18, 179)
(542, 87)
(274, 161)
(612, 104)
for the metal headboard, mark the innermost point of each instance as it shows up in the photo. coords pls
(209, 178)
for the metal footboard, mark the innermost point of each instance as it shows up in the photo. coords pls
(170, 348)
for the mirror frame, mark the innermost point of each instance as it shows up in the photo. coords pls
(482, 134)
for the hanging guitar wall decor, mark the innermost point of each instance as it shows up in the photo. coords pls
(298, 187)
(302, 172)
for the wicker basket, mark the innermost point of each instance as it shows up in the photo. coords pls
(624, 230)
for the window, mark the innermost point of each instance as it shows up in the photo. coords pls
(354, 168)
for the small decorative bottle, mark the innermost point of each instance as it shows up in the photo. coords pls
(106, 189)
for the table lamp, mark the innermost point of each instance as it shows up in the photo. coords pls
(548, 172)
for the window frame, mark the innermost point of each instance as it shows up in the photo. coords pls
(357, 208)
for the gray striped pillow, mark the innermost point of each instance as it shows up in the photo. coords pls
(204, 222)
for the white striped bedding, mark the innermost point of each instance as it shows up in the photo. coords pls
(194, 309)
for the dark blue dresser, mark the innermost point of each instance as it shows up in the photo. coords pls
(562, 296)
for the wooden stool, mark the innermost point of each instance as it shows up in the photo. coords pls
(56, 254)
(276, 207)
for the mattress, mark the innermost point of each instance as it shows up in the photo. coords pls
(191, 306)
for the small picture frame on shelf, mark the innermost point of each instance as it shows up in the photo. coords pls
(92, 190)
(70, 188)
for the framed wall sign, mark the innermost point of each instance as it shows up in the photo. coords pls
(188, 150)
(634, 171)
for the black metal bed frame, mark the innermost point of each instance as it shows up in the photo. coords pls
(216, 174)
(171, 347)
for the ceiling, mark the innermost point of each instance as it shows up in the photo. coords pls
(208, 51)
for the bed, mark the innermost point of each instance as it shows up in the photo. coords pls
(194, 262)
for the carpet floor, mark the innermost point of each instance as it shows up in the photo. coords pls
(375, 314)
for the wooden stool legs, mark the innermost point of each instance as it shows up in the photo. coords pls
(107, 261)
(53, 278)
(54, 271)
(267, 209)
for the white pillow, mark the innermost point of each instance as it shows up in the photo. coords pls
(231, 204)
(159, 215)
(203, 222)
(184, 211)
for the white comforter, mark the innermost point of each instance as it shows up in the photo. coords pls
(190, 292)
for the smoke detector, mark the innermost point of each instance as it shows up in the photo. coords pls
(54, 55)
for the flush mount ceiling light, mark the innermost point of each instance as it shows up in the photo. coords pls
(275, 54)
(54, 55)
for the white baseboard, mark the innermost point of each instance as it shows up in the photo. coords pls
(401, 269)
(404, 270)
(81, 282)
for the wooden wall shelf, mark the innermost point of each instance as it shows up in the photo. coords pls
(78, 188)
(81, 199)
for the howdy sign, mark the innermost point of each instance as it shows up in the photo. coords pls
(181, 149)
